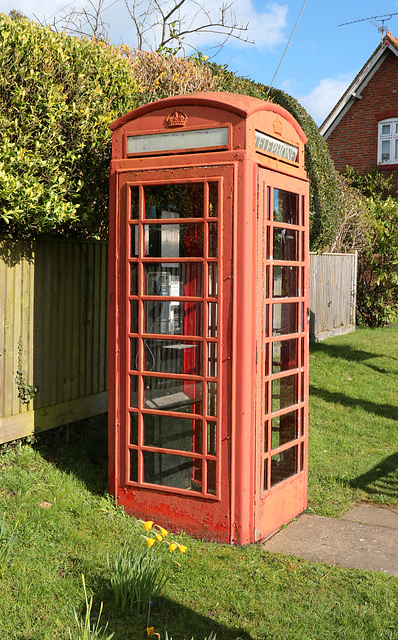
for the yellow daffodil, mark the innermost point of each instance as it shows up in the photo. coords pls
(148, 525)
(172, 547)
(150, 631)
(158, 537)
(182, 548)
(163, 532)
(149, 541)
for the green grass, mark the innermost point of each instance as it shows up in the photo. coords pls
(353, 420)
(54, 491)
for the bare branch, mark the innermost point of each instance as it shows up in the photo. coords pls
(162, 25)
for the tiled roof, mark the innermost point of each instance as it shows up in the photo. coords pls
(360, 80)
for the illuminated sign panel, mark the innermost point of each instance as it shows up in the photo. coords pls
(178, 140)
(277, 147)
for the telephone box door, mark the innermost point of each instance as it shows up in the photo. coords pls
(282, 338)
(174, 292)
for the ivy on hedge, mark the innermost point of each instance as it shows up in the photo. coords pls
(57, 97)
(324, 186)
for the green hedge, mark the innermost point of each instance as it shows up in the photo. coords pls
(57, 97)
(324, 189)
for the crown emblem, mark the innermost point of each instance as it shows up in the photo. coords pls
(176, 119)
(277, 126)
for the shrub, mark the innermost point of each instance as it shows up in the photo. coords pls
(57, 96)
(324, 187)
(159, 76)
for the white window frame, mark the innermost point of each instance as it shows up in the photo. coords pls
(391, 137)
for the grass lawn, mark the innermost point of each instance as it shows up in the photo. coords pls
(354, 421)
(54, 491)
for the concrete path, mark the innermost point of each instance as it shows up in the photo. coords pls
(366, 537)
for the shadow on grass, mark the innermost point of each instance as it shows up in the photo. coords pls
(382, 410)
(80, 448)
(179, 621)
(381, 479)
(346, 352)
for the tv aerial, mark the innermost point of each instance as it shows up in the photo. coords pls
(375, 20)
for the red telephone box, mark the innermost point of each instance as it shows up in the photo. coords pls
(208, 332)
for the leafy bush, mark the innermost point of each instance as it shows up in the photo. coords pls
(324, 186)
(377, 287)
(57, 96)
(159, 76)
(377, 277)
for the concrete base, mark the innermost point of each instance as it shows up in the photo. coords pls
(366, 537)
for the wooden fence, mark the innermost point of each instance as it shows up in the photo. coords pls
(53, 329)
(53, 334)
(333, 278)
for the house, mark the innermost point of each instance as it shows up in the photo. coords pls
(362, 129)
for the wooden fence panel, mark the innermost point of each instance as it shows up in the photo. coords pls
(332, 294)
(54, 297)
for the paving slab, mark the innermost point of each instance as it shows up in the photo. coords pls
(361, 539)
(369, 514)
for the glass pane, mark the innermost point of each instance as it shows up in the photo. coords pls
(285, 244)
(385, 150)
(168, 470)
(170, 356)
(133, 465)
(286, 207)
(213, 240)
(211, 477)
(133, 428)
(133, 316)
(213, 199)
(385, 129)
(212, 359)
(134, 279)
(284, 318)
(396, 149)
(212, 399)
(211, 438)
(174, 201)
(284, 429)
(265, 473)
(266, 428)
(134, 241)
(134, 192)
(212, 283)
(266, 397)
(134, 354)
(284, 355)
(166, 432)
(134, 391)
(285, 282)
(169, 394)
(284, 392)
(283, 465)
(177, 279)
(174, 240)
(173, 317)
(212, 320)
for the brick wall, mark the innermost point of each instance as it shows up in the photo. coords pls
(353, 142)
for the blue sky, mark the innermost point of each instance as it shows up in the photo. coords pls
(322, 58)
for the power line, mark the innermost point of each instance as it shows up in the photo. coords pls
(286, 48)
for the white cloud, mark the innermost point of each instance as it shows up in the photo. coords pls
(321, 100)
(266, 28)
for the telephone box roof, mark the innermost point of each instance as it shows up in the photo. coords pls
(236, 103)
